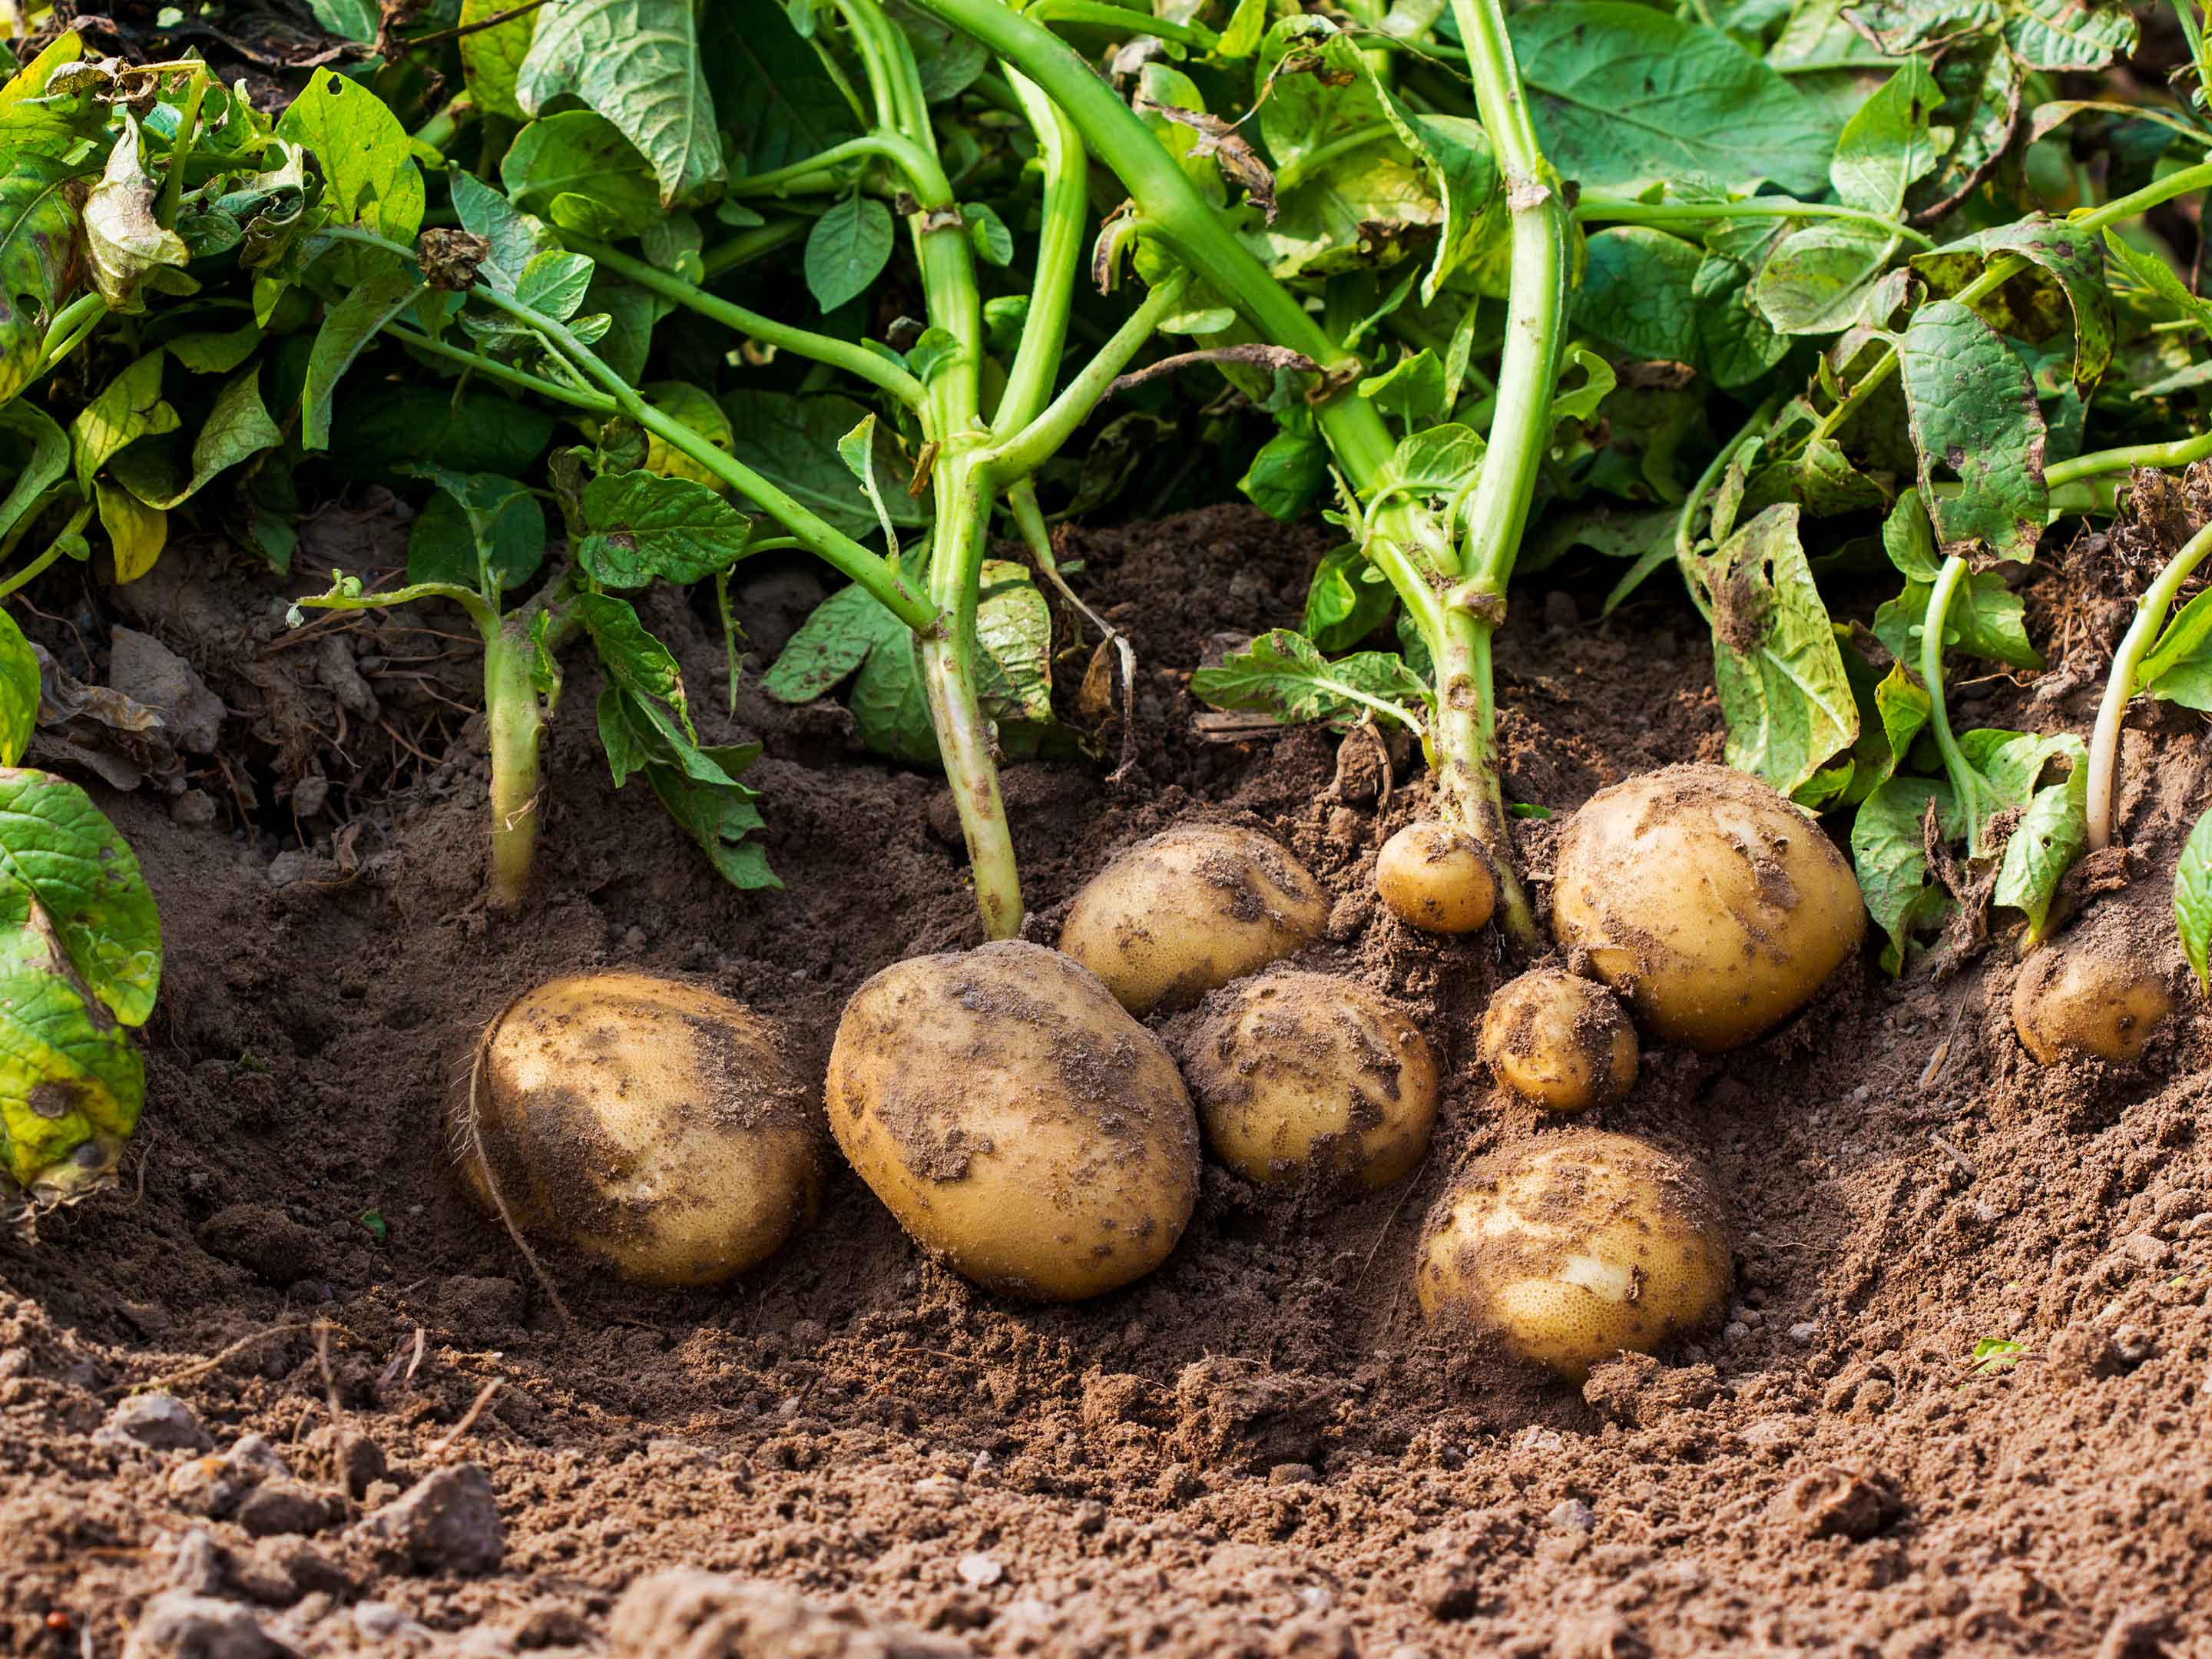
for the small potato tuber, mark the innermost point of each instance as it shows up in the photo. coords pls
(650, 1123)
(1713, 904)
(1301, 1074)
(1572, 1247)
(1437, 878)
(1559, 1041)
(1191, 909)
(1023, 1128)
(2075, 1001)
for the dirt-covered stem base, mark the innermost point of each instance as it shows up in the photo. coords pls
(1468, 793)
(516, 720)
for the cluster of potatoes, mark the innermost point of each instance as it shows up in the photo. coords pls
(1010, 1107)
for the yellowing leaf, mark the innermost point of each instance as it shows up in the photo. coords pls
(491, 58)
(138, 532)
(32, 81)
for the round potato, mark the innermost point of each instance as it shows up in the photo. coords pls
(650, 1123)
(1573, 1247)
(1558, 1040)
(1191, 909)
(2078, 1001)
(1437, 878)
(1300, 1075)
(1705, 899)
(1023, 1128)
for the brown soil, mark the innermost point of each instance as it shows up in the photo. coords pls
(1258, 1449)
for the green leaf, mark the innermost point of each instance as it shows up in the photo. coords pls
(384, 428)
(638, 63)
(1986, 619)
(1411, 391)
(641, 668)
(515, 237)
(2154, 273)
(719, 817)
(577, 169)
(480, 532)
(355, 20)
(45, 451)
(1343, 605)
(987, 234)
(1887, 147)
(1981, 85)
(237, 428)
(554, 283)
(2072, 289)
(847, 250)
(644, 526)
(1818, 280)
(830, 646)
(366, 160)
(1282, 675)
(1910, 541)
(1782, 689)
(792, 441)
(1638, 293)
(347, 328)
(1598, 381)
(1624, 95)
(129, 408)
(38, 244)
(216, 353)
(770, 89)
(2177, 667)
(491, 58)
(2192, 899)
(1974, 417)
(2070, 34)
(2042, 846)
(1286, 474)
(58, 853)
(1013, 627)
(71, 1084)
(1889, 854)
(18, 691)
(1736, 343)
(124, 240)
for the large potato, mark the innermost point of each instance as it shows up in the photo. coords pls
(1019, 1124)
(1705, 899)
(1435, 877)
(1191, 909)
(2086, 1000)
(648, 1122)
(1301, 1075)
(1558, 1040)
(1573, 1247)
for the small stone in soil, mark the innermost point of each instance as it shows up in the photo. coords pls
(277, 1507)
(980, 1571)
(448, 1522)
(159, 1422)
(176, 1625)
(1573, 1512)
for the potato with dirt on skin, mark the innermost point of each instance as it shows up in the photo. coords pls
(1301, 1075)
(1571, 1248)
(1436, 879)
(1713, 905)
(1191, 909)
(2084, 1000)
(1558, 1040)
(646, 1121)
(1024, 1129)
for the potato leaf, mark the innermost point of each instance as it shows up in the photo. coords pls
(644, 527)
(366, 160)
(38, 240)
(848, 250)
(347, 328)
(1887, 147)
(1986, 619)
(578, 170)
(1889, 853)
(770, 89)
(1974, 419)
(638, 63)
(2042, 847)
(1281, 674)
(2177, 667)
(129, 408)
(1637, 294)
(793, 442)
(59, 854)
(2192, 900)
(18, 691)
(40, 452)
(136, 533)
(480, 532)
(2071, 290)
(124, 242)
(491, 58)
(1775, 664)
(1286, 474)
(236, 428)
(1346, 601)
(719, 817)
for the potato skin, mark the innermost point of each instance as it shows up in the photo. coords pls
(2075, 1002)
(1300, 1075)
(1189, 910)
(1436, 879)
(648, 1122)
(1558, 1040)
(1715, 906)
(1573, 1247)
(1025, 1131)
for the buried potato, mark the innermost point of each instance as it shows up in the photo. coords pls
(1573, 1247)
(1301, 1074)
(2085, 1000)
(1021, 1126)
(1437, 878)
(1711, 902)
(1558, 1040)
(648, 1123)
(1190, 909)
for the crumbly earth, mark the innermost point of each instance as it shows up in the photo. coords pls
(1257, 1450)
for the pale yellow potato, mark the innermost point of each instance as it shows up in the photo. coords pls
(2075, 1001)
(1435, 877)
(1560, 1041)
(1573, 1247)
(1299, 1075)
(1191, 909)
(1707, 900)
(1025, 1130)
(650, 1123)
